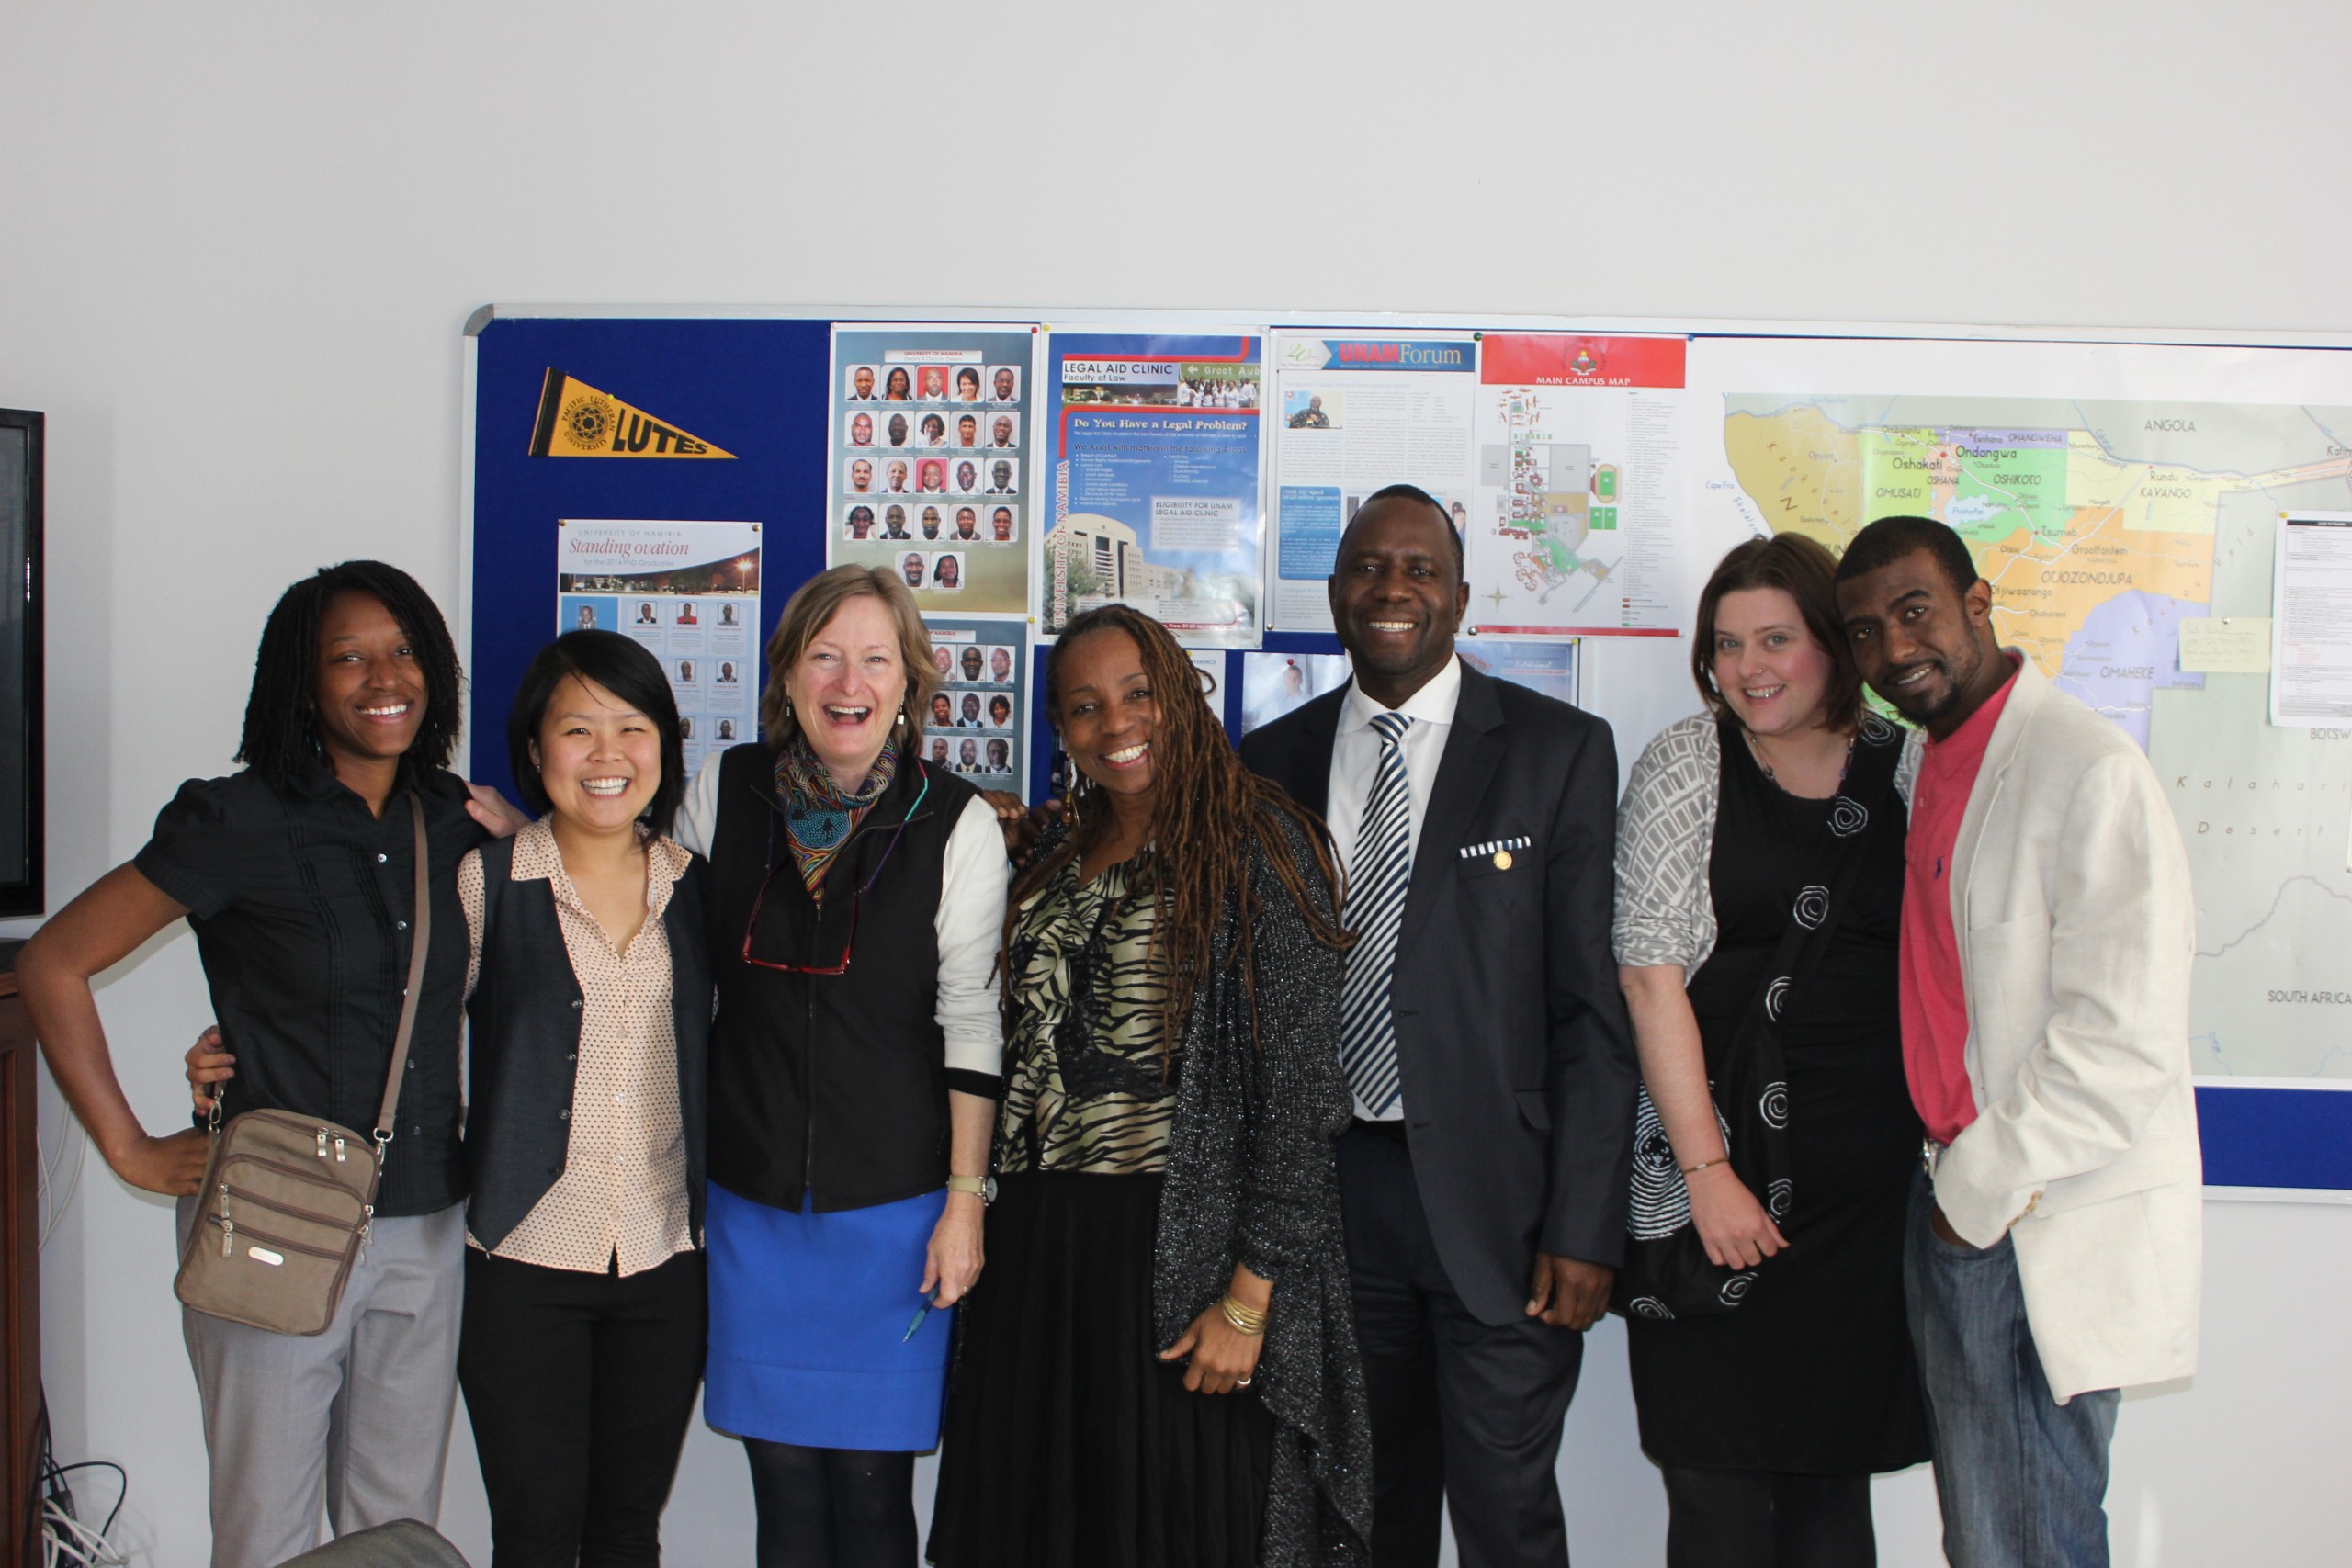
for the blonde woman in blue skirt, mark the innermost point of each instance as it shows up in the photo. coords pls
(856, 897)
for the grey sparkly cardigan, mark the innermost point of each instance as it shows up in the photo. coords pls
(1252, 1177)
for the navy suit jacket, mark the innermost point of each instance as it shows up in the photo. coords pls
(1513, 1044)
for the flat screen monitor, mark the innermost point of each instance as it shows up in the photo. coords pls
(20, 674)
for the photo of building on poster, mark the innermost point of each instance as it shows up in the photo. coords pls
(979, 719)
(1582, 523)
(1153, 482)
(928, 475)
(688, 592)
(1357, 415)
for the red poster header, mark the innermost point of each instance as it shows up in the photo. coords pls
(1568, 359)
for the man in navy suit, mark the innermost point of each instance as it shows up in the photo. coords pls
(1483, 1181)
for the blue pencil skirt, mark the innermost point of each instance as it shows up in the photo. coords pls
(808, 1316)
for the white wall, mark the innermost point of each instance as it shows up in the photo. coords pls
(237, 243)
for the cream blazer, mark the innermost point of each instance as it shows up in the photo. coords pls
(2076, 923)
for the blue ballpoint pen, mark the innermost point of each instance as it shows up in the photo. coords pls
(929, 1297)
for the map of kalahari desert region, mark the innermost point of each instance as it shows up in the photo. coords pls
(2101, 527)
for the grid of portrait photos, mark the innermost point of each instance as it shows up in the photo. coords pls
(930, 470)
(975, 726)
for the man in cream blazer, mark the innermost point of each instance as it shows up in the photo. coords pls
(2048, 928)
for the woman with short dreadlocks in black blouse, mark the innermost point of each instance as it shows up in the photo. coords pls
(297, 877)
(1162, 1369)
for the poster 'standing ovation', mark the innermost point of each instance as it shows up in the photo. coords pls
(690, 593)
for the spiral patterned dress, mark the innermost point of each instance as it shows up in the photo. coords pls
(1814, 1373)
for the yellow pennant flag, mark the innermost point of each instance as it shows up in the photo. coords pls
(578, 421)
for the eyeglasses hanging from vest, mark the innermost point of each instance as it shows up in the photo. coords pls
(856, 897)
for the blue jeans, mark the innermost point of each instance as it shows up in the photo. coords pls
(2022, 1479)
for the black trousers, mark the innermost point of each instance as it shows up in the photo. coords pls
(1461, 1411)
(1763, 1518)
(580, 1387)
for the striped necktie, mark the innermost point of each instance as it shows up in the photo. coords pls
(1383, 869)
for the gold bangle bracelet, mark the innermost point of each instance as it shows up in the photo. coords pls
(1245, 1319)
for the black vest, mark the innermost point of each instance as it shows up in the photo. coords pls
(831, 1082)
(524, 1051)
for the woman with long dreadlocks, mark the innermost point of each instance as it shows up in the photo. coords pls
(1162, 1372)
(297, 876)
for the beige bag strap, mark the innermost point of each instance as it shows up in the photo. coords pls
(415, 992)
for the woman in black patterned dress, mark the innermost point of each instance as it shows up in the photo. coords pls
(1769, 1420)
(1162, 1371)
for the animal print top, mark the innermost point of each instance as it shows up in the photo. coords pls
(1088, 1088)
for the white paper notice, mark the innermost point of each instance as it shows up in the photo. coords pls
(2311, 637)
(2225, 644)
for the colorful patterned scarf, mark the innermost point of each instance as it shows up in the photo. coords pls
(819, 818)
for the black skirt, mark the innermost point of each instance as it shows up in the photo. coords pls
(1068, 1443)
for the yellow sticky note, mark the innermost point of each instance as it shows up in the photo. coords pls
(2225, 644)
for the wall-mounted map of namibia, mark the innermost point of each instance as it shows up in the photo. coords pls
(577, 421)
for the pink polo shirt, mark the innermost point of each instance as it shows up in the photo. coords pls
(1934, 1004)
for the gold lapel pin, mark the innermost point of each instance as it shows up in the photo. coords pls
(1502, 859)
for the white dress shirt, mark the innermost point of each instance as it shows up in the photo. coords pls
(1355, 761)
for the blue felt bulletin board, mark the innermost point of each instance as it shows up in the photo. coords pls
(757, 387)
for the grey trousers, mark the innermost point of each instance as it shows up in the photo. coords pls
(354, 1422)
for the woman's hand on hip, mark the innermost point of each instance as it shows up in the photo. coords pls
(173, 1166)
(1223, 1357)
(1733, 1227)
(951, 1264)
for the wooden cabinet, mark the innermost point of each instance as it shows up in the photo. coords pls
(19, 1270)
